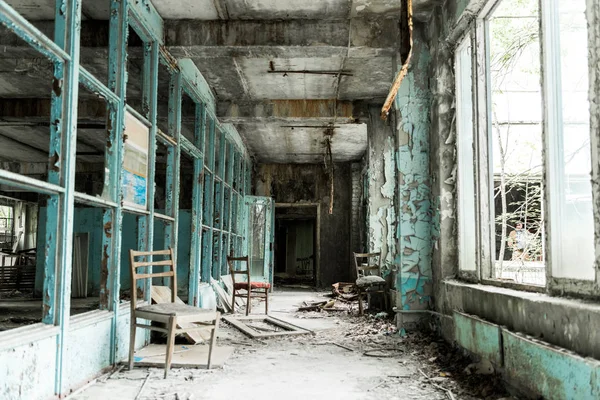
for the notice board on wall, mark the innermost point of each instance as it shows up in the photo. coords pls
(135, 163)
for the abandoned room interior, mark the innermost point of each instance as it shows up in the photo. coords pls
(455, 141)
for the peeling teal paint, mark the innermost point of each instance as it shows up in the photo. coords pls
(414, 229)
(479, 337)
(382, 190)
(111, 232)
(551, 372)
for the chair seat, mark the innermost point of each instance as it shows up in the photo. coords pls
(369, 280)
(253, 285)
(176, 309)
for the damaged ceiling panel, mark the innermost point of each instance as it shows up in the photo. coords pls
(268, 52)
(273, 143)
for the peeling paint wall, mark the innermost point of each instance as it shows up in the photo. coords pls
(416, 220)
(308, 183)
(443, 149)
(381, 223)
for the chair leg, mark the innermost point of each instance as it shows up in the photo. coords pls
(132, 330)
(360, 305)
(266, 301)
(170, 344)
(248, 302)
(213, 340)
(233, 303)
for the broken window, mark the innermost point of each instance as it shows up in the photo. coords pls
(94, 128)
(95, 33)
(162, 95)
(6, 223)
(137, 51)
(30, 146)
(21, 273)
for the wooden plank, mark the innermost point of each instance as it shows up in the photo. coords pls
(238, 322)
(221, 295)
(228, 282)
(162, 294)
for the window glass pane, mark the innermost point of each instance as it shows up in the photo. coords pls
(466, 184)
(516, 142)
(577, 220)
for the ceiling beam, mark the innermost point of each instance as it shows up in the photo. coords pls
(361, 32)
(307, 112)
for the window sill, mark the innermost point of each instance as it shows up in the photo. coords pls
(89, 318)
(566, 322)
(539, 296)
(524, 287)
(26, 334)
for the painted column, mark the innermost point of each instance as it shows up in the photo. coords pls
(382, 188)
(415, 221)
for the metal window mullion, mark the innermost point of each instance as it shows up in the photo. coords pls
(483, 151)
(67, 24)
(552, 135)
(151, 96)
(211, 145)
(33, 36)
(229, 164)
(25, 182)
(112, 219)
(173, 160)
(196, 234)
(217, 224)
(94, 85)
(197, 198)
(248, 177)
(593, 18)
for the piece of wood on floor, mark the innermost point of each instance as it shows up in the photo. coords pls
(228, 282)
(162, 294)
(244, 324)
(183, 356)
(222, 296)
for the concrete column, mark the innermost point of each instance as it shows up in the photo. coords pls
(417, 222)
(381, 221)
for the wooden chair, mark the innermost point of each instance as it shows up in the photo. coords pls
(253, 289)
(170, 314)
(369, 278)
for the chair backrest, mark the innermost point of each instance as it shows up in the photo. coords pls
(231, 262)
(371, 267)
(135, 276)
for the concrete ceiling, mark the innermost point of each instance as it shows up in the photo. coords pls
(278, 67)
(282, 71)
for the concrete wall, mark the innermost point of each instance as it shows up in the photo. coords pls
(308, 183)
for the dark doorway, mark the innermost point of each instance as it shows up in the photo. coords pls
(295, 246)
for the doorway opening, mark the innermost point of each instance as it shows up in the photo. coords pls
(297, 245)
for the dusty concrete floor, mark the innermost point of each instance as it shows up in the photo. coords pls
(301, 367)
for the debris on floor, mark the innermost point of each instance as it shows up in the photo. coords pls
(347, 356)
(263, 326)
(189, 356)
(343, 297)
